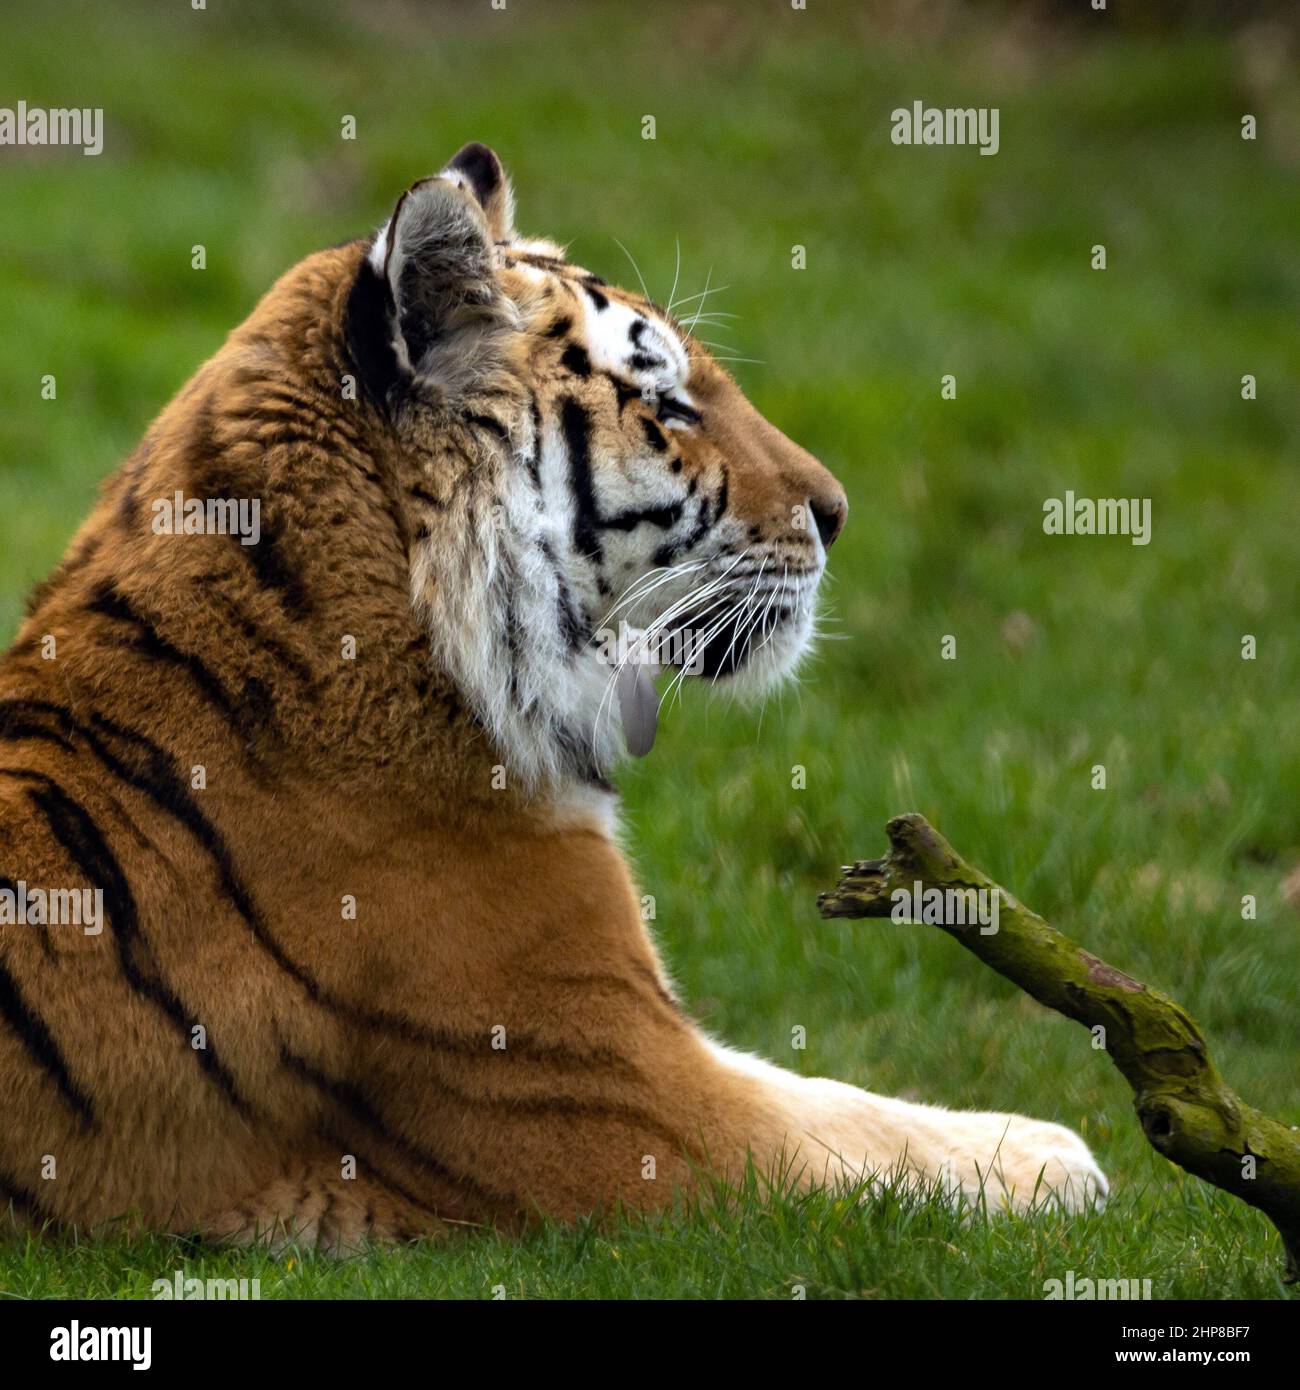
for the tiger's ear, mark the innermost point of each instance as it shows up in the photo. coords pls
(426, 308)
(478, 171)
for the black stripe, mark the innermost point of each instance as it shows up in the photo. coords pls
(542, 262)
(108, 601)
(359, 1109)
(25, 1201)
(625, 393)
(559, 328)
(576, 424)
(422, 494)
(356, 1105)
(373, 1171)
(655, 516)
(705, 521)
(128, 507)
(509, 583)
(8, 885)
(575, 745)
(575, 360)
(275, 420)
(238, 618)
(294, 434)
(156, 774)
(27, 719)
(209, 482)
(658, 997)
(575, 628)
(89, 850)
(491, 424)
(204, 446)
(77, 560)
(40, 1045)
(273, 570)
(634, 1116)
(587, 521)
(655, 436)
(535, 454)
(658, 986)
(724, 492)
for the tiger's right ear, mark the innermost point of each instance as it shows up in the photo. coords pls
(426, 311)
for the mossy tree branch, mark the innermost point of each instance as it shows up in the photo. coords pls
(1187, 1111)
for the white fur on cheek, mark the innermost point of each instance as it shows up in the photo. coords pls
(486, 585)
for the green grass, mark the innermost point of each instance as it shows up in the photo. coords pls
(773, 127)
(758, 1243)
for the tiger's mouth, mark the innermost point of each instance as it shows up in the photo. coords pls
(744, 636)
(758, 625)
(745, 625)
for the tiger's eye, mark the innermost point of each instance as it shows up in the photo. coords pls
(670, 409)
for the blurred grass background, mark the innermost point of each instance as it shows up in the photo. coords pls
(223, 128)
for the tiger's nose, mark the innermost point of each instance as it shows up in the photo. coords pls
(830, 514)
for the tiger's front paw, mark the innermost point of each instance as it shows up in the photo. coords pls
(1020, 1165)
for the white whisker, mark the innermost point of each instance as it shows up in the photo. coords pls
(677, 270)
(635, 267)
(686, 298)
(703, 298)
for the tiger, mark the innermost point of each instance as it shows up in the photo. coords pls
(370, 961)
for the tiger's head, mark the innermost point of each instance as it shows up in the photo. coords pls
(598, 498)
(458, 444)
